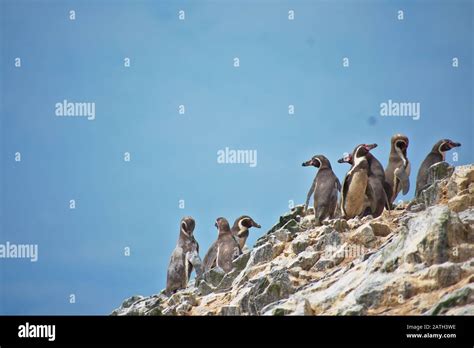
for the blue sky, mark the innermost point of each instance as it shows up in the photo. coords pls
(173, 157)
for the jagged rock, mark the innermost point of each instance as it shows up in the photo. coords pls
(229, 311)
(204, 288)
(364, 235)
(327, 237)
(270, 289)
(437, 172)
(380, 229)
(241, 262)
(459, 297)
(261, 254)
(461, 203)
(292, 226)
(306, 260)
(300, 243)
(340, 225)
(214, 276)
(283, 235)
(417, 207)
(183, 308)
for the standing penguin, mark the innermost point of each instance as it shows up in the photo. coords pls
(398, 168)
(355, 183)
(227, 246)
(325, 188)
(240, 231)
(184, 257)
(436, 155)
(376, 193)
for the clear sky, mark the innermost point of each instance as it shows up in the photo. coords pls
(174, 157)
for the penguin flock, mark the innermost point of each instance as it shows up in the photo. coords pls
(367, 189)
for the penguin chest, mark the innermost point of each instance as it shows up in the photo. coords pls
(355, 196)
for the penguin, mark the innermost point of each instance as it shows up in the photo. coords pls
(184, 258)
(355, 183)
(325, 187)
(240, 231)
(436, 155)
(227, 246)
(376, 198)
(397, 173)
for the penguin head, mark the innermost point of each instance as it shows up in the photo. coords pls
(445, 145)
(187, 225)
(222, 224)
(400, 141)
(362, 150)
(347, 158)
(317, 161)
(245, 222)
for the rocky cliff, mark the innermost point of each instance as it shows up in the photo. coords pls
(416, 259)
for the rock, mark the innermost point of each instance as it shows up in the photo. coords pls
(460, 297)
(283, 235)
(439, 171)
(434, 234)
(322, 265)
(328, 237)
(445, 274)
(214, 276)
(461, 203)
(417, 207)
(340, 225)
(271, 289)
(183, 308)
(300, 243)
(230, 311)
(241, 262)
(261, 254)
(204, 288)
(306, 260)
(292, 226)
(277, 249)
(364, 235)
(380, 229)
(131, 300)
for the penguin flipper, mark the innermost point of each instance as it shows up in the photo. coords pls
(345, 187)
(310, 192)
(402, 176)
(338, 185)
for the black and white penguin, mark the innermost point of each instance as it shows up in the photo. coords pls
(397, 173)
(184, 258)
(376, 192)
(355, 183)
(325, 188)
(436, 155)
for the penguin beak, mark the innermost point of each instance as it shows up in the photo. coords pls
(254, 224)
(215, 224)
(451, 145)
(341, 160)
(306, 164)
(369, 147)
